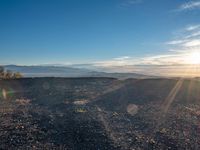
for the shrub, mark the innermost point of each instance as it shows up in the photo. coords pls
(9, 74)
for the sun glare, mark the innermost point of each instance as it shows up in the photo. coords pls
(194, 58)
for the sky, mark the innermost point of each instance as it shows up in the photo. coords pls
(100, 32)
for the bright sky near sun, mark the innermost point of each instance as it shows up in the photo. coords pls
(106, 32)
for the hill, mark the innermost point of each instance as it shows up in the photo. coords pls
(65, 71)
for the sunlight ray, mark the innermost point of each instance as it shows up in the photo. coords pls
(170, 98)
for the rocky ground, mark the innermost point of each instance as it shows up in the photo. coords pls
(100, 114)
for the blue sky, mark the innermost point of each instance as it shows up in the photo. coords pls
(105, 32)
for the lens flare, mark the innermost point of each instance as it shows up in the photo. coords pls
(4, 94)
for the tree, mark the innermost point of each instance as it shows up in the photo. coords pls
(1, 69)
(1, 72)
(17, 75)
(8, 74)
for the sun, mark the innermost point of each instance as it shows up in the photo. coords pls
(194, 58)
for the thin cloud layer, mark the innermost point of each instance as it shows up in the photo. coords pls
(128, 3)
(192, 27)
(189, 6)
(189, 39)
(175, 61)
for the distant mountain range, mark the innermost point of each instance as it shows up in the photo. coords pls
(65, 71)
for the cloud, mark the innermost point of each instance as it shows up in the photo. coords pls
(192, 27)
(192, 31)
(175, 42)
(192, 43)
(179, 48)
(128, 3)
(159, 65)
(175, 61)
(189, 6)
(122, 58)
(188, 38)
(165, 59)
(121, 61)
(193, 35)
